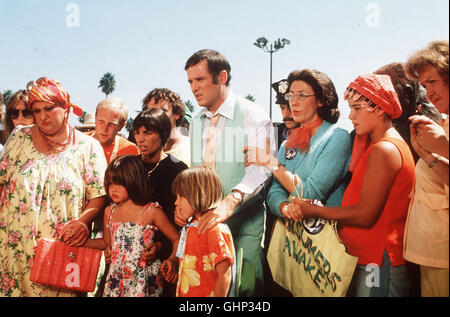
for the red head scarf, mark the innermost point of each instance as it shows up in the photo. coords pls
(50, 90)
(379, 90)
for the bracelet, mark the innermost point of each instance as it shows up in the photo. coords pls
(275, 168)
(433, 163)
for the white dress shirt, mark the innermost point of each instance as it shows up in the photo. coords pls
(257, 127)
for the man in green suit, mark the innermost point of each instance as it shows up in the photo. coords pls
(238, 123)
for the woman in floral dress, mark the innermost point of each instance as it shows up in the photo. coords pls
(49, 174)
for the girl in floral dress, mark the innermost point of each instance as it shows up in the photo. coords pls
(206, 259)
(130, 224)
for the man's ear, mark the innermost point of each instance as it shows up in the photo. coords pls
(223, 77)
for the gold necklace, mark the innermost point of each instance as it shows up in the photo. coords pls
(157, 164)
(57, 146)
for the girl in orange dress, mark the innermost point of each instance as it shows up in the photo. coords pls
(206, 260)
(375, 203)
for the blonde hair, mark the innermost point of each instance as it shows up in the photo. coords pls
(114, 103)
(435, 54)
(201, 187)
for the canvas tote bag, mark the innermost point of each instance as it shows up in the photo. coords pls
(307, 257)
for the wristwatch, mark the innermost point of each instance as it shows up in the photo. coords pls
(433, 163)
(237, 196)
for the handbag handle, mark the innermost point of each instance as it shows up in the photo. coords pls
(295, 185)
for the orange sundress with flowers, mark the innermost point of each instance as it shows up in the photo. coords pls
(197, 276)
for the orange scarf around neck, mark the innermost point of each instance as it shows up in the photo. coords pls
(299, 137)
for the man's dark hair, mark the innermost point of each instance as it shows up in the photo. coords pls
(178, 106)
(216, 63)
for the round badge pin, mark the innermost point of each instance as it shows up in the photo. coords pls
(290, 154)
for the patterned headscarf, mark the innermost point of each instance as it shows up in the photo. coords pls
(379, 91)
(50, 90)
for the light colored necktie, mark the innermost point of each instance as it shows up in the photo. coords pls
(210, 146)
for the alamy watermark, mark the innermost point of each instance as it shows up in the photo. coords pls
(73, 18)
(373, 278)
(373, 15)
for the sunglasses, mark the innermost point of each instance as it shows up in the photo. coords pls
(25, 113)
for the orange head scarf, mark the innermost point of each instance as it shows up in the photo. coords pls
(50, 90)
(379, 91)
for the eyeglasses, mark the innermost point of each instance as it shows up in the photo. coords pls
(300, 96)
(25, 113)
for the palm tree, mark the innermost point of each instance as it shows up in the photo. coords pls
(83, 116)
(129, 124)
(6, 95)
(107, 83)
(250, 97)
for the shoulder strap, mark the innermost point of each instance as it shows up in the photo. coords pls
(146, 210)
(112, 210)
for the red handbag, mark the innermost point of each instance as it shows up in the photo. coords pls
(62, 266)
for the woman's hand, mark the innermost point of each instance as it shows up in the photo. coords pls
(150, 251)
(291, 211)
(297, 209)
(430, 135)
(169, 271)
(75, 233)
(415, 144)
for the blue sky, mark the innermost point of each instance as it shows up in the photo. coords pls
(145, 44)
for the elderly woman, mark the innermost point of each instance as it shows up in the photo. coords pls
(318, 152)
(426, 232)
(375, 203)
(49, 174)
(17, 113)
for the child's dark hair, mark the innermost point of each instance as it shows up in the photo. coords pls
(200, 186)
(127, 170)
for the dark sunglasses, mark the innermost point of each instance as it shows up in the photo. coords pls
(25, 113)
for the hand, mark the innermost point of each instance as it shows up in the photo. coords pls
(107, 254)
(291, 211)
(74, 234)
(429, 135)
(223, 211)
(168, 271)
(179, 220)
(150, 251)
(258, 156)
(415, 144)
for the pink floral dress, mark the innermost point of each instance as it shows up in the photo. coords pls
(129, 275)
(40, 193)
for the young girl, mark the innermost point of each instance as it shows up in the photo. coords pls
(130, 224)
(206, 259)
(375, 203)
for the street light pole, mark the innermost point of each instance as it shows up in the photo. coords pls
(272, 48)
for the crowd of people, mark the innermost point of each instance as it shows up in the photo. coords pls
(191, 215)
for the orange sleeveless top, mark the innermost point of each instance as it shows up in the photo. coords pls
(368, 244)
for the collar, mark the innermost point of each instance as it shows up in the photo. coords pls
(226, 109)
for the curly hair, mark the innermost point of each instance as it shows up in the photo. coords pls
(178, 106)
(435, 54)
